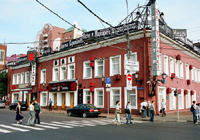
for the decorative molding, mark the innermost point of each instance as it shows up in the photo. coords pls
(20, 66)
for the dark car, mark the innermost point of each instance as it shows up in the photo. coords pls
(24, 105)
(84, 110)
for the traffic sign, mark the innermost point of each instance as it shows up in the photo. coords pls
(131, 65)
(129, 77)
(108, 82)
(129, 81)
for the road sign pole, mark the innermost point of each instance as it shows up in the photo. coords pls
(108, 102)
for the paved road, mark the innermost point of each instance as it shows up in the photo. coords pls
(61, 127)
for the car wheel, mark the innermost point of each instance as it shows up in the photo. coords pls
(69, 113)
(84, 115)
(10, 108)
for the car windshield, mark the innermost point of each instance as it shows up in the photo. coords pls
(91, 106)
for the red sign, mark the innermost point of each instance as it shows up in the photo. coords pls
(31, 57)
(129, 77)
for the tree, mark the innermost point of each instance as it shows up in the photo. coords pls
(3, 83)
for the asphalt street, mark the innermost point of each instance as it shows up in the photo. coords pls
(61, 127)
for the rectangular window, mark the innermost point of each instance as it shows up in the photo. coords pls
(195, 74)
(44, 99)
(181, 99)
(172, 100)
(198, 75)
(192, 74)
(115, 95)
(99, 68)
(88, 97)
(71, 70)
(187, 71)
(131, 96)
(99, 97)
(188, 102)
(166, 69)
(177, 68)
(133, 57)
(62, 72)
(181, 70)
(115, 65)
(55, 74)
(30, 76)
(171, 66)
(22, 78)
(27, 77)
(14, 79)
(87, 70)
(194, 96)
(43, 76)
(18, 78)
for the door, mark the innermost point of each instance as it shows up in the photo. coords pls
(63, 101)
(55, 100)
(71, 100)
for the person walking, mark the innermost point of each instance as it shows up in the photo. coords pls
(19, 117)
(197, 111)
(145, 105)
(31, 118)
(193, 110)
(163, 106)
(117, 112)
(143, 108)
(148, 109)
(129, 115)
(38, 110)
(50, 104)
(152, 111)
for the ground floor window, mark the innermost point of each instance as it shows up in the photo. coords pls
(15, 97)
(181, 99)
(43, 99)
(115, 95)
(194, 96)
(172, 100)
(187, 97)
(99, 97)
(131, 95)
(162, 95)
(87, 99)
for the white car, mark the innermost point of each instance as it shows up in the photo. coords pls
(2, 104)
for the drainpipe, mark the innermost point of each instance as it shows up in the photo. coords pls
(145, 70)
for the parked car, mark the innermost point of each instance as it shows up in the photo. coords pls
(24, 105)
(84, 110)
(2, 104)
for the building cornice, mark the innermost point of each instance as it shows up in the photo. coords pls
(20, 66)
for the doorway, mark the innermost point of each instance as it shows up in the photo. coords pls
(71, 100)
(55, 100)
(63, 101)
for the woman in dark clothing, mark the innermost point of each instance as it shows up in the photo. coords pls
(18, 113)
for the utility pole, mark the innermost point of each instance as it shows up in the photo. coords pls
(177, 103)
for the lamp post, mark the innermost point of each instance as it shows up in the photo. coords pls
(43, 85)
(136, 78)
(102, 79)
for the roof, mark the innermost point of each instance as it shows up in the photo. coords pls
(11, 59)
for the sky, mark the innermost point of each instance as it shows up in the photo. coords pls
(20, 20)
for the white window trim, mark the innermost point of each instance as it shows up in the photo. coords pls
(68, 73)
(54, 75)
(195, 74)
(171, 69)
(41, 102)
(125, 58)
(61, 70)
(181, 69)
(96, 69)
(111, 74)
(182, 94)
(164, 89)
(166, 65)
(177, 70)
(192, 74)
(111, 96)
(22, 78)
(174, 100)
(54, 63)
(73, 59)
(18, 81)
(95, 97)
(195, 96)
(42, 76)
(189, 104)
(187, 72)
(198, 75)
(27, 80)
(14, 79)
(61, 61)
(125, 97)
(84, 95)
(84, 71)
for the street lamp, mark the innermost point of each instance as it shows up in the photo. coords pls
(102, 80)
(136, 78)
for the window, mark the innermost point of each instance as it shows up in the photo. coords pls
(30, 76)
(172, 100)
(181, 100)
(22, 78)
(87, 70)
(177, 68)
(18, 78)
(99, 97)
(63, 61)
(71, 70)
(181, 70)
(14, 79)
(171, 66)
(187, 71)
(55, 74)
(133, 57)
(43, 76)
(198, 75)
(43, 99)
(195, 74)
(162, 95)
(187, 96)
(115, 65)
(192, 74)
(71, 59)
(99, 68)
(27, 77)
(194, 96)
(87, 96)
(56, 63)
(131, 95)
(166, 70)
(115, 95)
(62, 72)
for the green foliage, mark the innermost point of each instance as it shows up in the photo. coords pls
(3, 83)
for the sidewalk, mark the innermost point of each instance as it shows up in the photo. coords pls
(168, 118)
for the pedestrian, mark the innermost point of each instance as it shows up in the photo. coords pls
(50, 104)
(148, 109)
(163, 106)
(193, 110)
(152, 111)
(19, 117)
(143, 108)
(145, 105)
(38, 110)
(197, 111)
(117, 112)
(31, 118)
(129, 115)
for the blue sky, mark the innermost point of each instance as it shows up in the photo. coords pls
(20, 20)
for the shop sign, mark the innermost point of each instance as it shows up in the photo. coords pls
(45, 51)
(33, 73)
(25, 86)
(70, 86)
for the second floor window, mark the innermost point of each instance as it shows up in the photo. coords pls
(27, 77)
(18, 78)
(14, 79)
(177, 68)
(192, 74)
(181, 69)
(166, 65)
(63, 73)
(43, 76)
(87, 72)
(55, 74)
(115, 65)
(71, 69)
(187, 71)
(22, 78)
(99, 66)
(171, 66)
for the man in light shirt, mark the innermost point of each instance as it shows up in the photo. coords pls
(163, 106)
